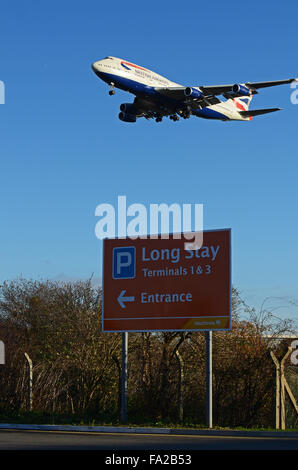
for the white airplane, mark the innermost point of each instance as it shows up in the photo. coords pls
(157, 97)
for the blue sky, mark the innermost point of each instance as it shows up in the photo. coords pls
(63, 149)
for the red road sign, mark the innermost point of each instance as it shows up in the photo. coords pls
(156, 284)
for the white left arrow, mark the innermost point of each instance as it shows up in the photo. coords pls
(121, 299)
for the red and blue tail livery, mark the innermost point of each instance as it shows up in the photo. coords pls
(157, 97)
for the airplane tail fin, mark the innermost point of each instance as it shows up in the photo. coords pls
(239, 103)
(242, 103)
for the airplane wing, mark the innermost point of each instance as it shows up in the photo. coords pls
(256, 85)
(186, 94)
(200, 92)
(176, 92)
(221, 89)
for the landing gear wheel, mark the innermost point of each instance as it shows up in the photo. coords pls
(112, 92)
(185, 113)
(158, 119)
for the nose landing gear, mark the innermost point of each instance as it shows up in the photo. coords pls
(112, 91)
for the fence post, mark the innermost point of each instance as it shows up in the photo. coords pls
(30, 382)
(2, 353)
(277, 391)
(283, 390)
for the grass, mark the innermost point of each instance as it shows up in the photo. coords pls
(33, 417)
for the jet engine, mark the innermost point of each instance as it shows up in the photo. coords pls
(241, 90)
(127, 117)
(193, 92)
(128, 108)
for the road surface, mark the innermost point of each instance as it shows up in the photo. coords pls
(61, 440)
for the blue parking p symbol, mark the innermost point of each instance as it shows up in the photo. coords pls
(124, 262)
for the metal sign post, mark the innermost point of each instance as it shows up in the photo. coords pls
(209, 379)
(124, 377)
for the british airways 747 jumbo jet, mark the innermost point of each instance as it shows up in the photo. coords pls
(157, 97)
